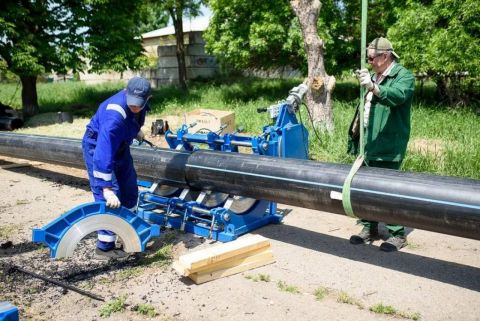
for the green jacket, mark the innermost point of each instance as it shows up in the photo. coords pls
(388, 131)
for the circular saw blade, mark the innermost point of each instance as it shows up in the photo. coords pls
(241, 204)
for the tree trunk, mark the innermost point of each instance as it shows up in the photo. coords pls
(29, 96)
(177, 18)
(320, 85)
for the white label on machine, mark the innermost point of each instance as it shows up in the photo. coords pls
(274, 110)
(335, 195)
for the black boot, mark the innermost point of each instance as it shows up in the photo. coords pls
(110, 254)
(367, 234)
(394, 243)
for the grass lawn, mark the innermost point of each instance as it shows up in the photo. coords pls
(444, 141)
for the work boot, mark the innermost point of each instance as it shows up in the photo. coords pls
(110, 254)
(394, 243)
(367, 234)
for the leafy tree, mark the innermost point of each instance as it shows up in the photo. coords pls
(177, 9)
(154, 17)
(45, 36)
(270, 34)
(440, 38)
(255, 34)
(249, 33)
(267, 34)
(342, 19)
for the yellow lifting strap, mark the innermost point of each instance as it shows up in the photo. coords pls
(346, 200)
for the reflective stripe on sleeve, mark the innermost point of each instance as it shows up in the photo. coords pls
(118, 109)
(104, 176)
(106, 238)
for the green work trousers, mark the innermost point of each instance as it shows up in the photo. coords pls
(393, 229)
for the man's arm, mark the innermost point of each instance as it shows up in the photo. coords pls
(400, 91)
(109, 140)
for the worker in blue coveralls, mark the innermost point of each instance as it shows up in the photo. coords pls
(106, 151)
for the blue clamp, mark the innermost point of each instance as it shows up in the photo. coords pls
(8, 312)
(62, 234)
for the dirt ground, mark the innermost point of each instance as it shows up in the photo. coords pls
(436, 277)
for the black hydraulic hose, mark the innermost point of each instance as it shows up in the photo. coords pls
(442, 204)
(14, 268)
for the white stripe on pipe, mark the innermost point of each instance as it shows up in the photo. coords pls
(477, 207)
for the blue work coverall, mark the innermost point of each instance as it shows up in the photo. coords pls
(107, 155)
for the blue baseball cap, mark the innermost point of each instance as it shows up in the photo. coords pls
(138, 91)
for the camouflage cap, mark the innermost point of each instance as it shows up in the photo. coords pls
(382, 44)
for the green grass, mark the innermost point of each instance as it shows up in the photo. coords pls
(129, 273)
(145, 309)
(380, 308)
(454, 130)
(114, 306)
(258, 277)
(282, 286)
(9, 230)
(321, 293)
(160, 258)
(413, 246)
(344, 297)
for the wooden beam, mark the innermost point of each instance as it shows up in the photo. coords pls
(236, 267)
(219, 264)
(196, 260)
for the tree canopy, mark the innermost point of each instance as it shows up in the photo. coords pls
(248, 33)
(440, 39)
(434, 36)
(46, 36)
(255, 33)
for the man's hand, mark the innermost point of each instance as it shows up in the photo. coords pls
(140, 136)
(110, 198)
(365, 80)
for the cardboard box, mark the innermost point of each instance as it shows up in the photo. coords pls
(211, 119)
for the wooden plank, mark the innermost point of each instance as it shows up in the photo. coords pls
(236, 261)
(196, 260)
(180, 268)
(229, 262)
(263, 259)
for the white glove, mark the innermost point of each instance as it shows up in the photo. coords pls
(110, 198)
(140, 136)
(365, 80)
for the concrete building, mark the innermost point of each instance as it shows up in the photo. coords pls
(161, 43)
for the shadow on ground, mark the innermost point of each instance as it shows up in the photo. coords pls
(448, 272)
(54, 177)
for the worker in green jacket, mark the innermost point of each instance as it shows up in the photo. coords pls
(387, 126)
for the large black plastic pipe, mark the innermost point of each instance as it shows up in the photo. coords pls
(10, 123)
(165, 165)
(442, 204)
